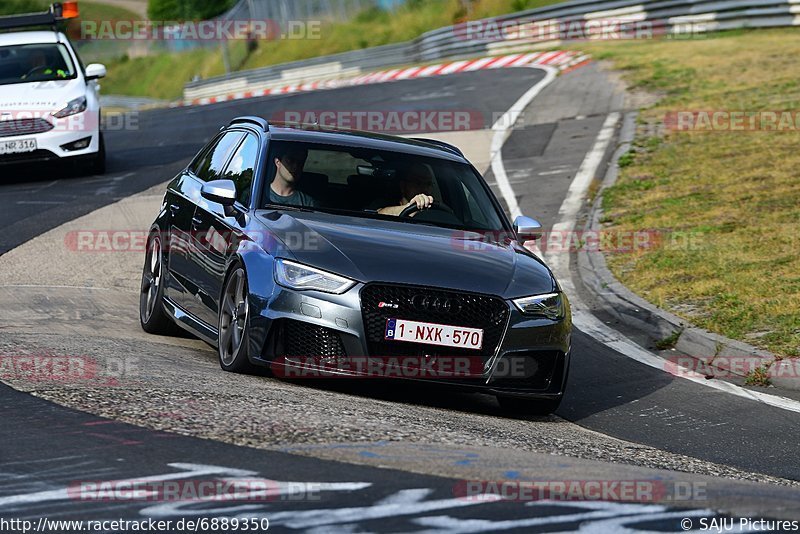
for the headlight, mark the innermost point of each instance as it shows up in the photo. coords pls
(297, 276)
(550, 305)
(73, 106)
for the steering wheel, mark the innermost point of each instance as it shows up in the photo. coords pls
(35, 69)
(407, 212)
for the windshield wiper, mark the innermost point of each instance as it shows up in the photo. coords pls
(287, 207)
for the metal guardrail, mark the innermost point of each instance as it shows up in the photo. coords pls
(523, 30)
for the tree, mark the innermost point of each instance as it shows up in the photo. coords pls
(187, 9)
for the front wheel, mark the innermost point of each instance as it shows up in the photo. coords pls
(94, 164)
(234, 321)
(97, 164)
(152, 315)
(523, 406)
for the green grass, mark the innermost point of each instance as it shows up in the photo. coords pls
(758, 377)
(669, 341)
(726, 203)
(100, 11)
(13, 7)
(161, 75)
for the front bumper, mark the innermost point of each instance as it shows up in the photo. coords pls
(326, 336)
(54, 144)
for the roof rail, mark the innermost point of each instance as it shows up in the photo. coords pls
(251, 119)
(58, 12)
(441, 144)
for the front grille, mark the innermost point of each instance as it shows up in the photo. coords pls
(306, 340)
(39, 155)
(466, 309)
(30, 126)
(525, 369)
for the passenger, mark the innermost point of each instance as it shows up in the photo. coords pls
(289, 163)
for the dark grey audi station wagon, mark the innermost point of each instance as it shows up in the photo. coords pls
(321, 252)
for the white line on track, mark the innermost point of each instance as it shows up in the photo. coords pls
(502, 130)
(582, 318)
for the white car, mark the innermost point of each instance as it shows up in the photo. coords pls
(49, 102)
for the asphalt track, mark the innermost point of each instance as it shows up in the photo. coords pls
(608, 392)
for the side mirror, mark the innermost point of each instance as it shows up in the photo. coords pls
(95, 71)
(219, 191)
(527, 229)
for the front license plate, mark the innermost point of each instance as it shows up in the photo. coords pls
(15, 147)
(434, 334)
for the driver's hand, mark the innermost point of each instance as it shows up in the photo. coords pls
(422, 201)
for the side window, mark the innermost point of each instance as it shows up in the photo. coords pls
(209, 167)
(242, 167)
(198, 159)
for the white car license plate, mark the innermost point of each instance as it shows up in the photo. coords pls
(434, 334)
(15, 147)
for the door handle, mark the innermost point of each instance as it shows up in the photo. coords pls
(174, 207)
(197, 221)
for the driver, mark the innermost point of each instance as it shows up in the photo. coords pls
(39, 64)
(416, 188)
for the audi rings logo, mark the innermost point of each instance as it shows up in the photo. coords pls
(436, 304)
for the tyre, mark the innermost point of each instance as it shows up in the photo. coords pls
(94, 164)
(152, 315)
(234, 323)
(97, 165)
(522, 406)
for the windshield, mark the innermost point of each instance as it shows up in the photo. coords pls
(372, 183)
(35, 63)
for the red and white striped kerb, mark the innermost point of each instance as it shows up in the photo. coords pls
(564, 60)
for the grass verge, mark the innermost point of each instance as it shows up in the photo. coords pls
(725, 202)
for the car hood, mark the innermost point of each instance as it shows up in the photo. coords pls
(39, 96)
(370, 250)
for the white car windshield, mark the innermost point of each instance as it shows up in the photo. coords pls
(35, 63)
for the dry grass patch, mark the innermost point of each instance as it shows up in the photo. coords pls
(728, 203)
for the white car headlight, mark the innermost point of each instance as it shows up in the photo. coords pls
(77, 105)
(297, 276)
(550, 305)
